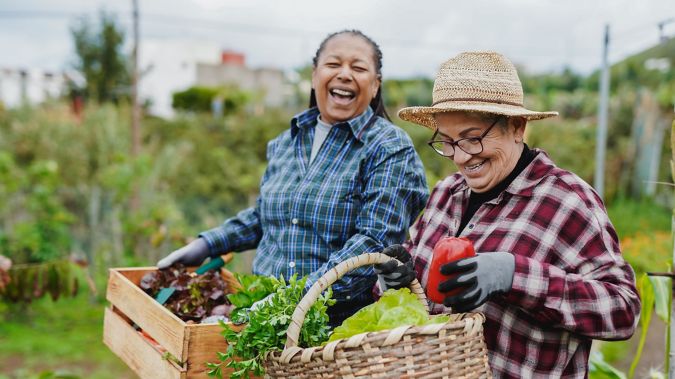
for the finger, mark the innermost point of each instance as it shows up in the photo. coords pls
(167, 261)
(471, 295)
(470, 305)
(403, 281)
(461, 265)
(463, 281)
(385, 268)
(462, 299)
(397, 251)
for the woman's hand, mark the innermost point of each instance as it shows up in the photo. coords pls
(192, 254)
(393, 275)
(479, 277)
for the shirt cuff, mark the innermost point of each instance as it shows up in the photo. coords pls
(530, 283)
(217, 241)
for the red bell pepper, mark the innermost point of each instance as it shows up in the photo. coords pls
(447, 250)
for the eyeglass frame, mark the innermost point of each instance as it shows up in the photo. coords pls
(479, 139)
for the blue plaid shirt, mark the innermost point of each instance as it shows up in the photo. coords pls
(360, 194)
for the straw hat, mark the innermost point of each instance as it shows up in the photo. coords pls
(481, 81)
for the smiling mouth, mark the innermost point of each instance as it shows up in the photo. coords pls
(474, 168)
(342, 94)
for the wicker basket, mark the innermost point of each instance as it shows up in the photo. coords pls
(455, 349)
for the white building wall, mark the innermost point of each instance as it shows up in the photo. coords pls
(170, 66)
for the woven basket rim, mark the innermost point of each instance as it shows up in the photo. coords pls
(458, 323)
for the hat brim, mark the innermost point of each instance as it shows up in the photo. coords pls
(425, 115)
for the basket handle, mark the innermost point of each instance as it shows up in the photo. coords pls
(330, 277)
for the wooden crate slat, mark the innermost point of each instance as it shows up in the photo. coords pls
(127, 344)
(203, 343)
(167, 329)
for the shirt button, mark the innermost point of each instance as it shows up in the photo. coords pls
(291, 264)
(471, 226)
(294, 221)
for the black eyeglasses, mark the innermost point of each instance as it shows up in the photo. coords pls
(470, 145)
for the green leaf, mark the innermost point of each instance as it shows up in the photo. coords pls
(599, 366)
(647, 295)
(662, 296)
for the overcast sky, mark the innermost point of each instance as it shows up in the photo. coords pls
(416, 36)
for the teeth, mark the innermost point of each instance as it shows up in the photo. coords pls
(342, 92)
(474, 167)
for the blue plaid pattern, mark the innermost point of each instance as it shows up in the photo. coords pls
(363, 190)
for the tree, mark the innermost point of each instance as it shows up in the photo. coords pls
(100, 59)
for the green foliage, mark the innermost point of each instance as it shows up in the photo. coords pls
(407, 92)
(647, 297)
(196, 99)
(600, 369)
(395, 308)
(253, 288)
(64, 338)
(630, 216)
(36, 224)
(267, 326)
(99, 58)
(33, 281)
(200, 99)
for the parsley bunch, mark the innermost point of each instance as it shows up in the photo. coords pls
(266, 329)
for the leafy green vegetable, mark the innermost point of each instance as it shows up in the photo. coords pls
(253, 288)
(267, 326)
(395, 308)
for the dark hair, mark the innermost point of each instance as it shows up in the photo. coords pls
(376, 103)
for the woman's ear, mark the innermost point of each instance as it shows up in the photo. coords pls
(519, 125)
(377, 85)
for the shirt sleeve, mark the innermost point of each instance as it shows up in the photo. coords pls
(394, 192)
(242, 232)
(238, 233)
(586, 287)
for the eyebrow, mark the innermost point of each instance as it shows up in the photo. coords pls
(462, 134)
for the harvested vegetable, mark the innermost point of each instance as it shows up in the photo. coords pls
(268, 322)
(446, 250)
(195, 296)
(252, 288)
(395, 308)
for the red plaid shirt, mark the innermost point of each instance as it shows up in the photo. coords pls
(571, 284)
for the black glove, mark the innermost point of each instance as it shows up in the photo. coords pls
(392, 274)
(479, 278)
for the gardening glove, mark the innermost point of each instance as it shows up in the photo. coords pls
(192, 254)
(393, 275)
(478, 278)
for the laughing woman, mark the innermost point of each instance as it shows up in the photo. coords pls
(342, 181)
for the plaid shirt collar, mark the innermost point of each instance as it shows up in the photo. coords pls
(523, 185)
(356, 125)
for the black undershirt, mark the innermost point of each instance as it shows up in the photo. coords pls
(478, 199)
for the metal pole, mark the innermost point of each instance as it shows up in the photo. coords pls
(601, 140)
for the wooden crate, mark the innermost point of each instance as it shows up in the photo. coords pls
(190, 345)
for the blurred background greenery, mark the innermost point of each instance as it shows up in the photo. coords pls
(71, 191)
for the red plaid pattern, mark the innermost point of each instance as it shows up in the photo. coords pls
(571, 284)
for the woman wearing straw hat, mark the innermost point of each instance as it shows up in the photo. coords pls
(548, 274)
(341, 181)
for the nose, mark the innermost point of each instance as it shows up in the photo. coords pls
(460, 156)
(345, 72)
